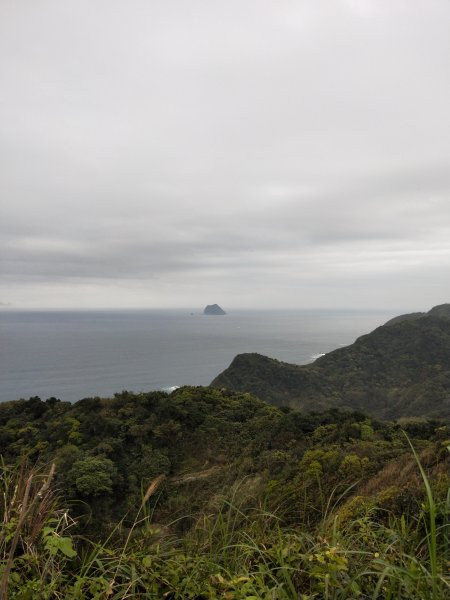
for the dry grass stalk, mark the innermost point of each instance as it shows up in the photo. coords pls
(154, 485)
(21, 499)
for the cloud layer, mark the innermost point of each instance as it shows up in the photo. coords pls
(249, 152)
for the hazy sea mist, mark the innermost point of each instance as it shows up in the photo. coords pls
(75, 354)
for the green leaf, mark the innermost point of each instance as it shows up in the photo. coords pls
(65, 546)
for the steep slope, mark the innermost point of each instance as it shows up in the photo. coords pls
(398, 370)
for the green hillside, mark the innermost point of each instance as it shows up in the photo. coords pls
(400, 369)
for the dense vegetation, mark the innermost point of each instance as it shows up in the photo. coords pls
(208, 493)
(400, 369)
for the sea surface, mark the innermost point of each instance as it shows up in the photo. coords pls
(77, 354)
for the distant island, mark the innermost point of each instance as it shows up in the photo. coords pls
(214, 309)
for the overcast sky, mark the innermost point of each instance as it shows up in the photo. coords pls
(283, 153)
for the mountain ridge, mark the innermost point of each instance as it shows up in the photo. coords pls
(400, 369)
(441, 310)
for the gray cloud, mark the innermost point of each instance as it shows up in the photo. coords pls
(272, 153)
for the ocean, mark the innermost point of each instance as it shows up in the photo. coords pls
(76, 354)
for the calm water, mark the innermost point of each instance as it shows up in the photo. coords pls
(72, 355)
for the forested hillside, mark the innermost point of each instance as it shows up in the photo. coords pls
(400, 369)
(106, 450)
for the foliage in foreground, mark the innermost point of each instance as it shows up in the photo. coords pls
(234, 553)
(211, 494)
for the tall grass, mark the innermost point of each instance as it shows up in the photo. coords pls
(430, 524)
(27, 503)
(235, 552)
